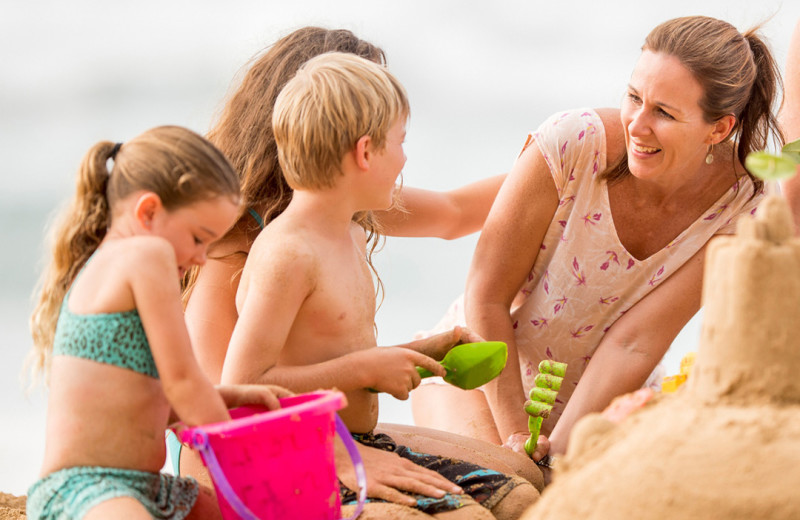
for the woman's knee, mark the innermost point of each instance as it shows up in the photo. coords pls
(516, 502)
(450, 409)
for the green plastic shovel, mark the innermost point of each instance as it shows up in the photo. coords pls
(472, 364)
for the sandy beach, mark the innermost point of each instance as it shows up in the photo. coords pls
(11, 507)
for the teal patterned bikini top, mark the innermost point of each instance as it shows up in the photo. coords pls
(115, 338)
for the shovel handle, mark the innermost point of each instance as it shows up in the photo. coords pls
(423, 373)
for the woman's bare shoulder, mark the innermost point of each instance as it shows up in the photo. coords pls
(615, 134)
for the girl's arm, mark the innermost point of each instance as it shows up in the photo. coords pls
(156, 291)
(633, 346)
(504, 256)
(443, 214)
(211, 312)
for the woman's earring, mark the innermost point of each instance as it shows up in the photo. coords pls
(710, 156)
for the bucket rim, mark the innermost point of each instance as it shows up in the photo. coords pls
(320, 401)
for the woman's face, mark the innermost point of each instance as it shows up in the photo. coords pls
(665, 133)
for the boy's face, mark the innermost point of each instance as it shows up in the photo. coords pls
(389, 161)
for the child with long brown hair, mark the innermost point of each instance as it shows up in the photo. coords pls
(109, 332)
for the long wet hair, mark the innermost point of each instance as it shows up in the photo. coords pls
(244, 129)
(738, 75)
(178, 165)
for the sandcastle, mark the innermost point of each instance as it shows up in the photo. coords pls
(726, 444)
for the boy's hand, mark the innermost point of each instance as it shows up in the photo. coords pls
(394, 369)
(438, 345)
(388, 475)
(241, 395)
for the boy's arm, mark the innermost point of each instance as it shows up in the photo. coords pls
(278, 282)
(443, 214)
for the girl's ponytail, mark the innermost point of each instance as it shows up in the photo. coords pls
(178, 165)
(76, 235)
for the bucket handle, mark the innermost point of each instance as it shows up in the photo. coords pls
(358, 464)
(200, 442)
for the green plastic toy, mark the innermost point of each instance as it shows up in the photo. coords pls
(542, 397)
(472, 364)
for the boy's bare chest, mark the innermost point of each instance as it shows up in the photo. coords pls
(342, 303)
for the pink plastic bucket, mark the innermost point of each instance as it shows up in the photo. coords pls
(278, 464)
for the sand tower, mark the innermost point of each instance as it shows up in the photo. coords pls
(727, 444)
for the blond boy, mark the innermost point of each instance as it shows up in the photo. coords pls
(306, 300)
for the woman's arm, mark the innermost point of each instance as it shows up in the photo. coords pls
(442, 214)
(504, 256)
(633, 346)
(790, 117)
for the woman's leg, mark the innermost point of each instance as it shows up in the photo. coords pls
(445, 444)
(470, 512)
(384, 510)
(447, 408)
(515, 503)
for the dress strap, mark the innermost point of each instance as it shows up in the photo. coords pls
(257, 217)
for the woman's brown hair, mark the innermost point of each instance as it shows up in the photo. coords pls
(738, 75)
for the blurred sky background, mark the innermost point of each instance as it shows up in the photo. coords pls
(480, 75)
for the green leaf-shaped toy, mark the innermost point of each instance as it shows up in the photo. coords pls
(771, 167)
(472, 364)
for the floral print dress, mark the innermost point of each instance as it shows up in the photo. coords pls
(583, 279)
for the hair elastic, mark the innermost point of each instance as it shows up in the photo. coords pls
(115, 150)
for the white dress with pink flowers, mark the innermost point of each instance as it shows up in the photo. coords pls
(583, 279)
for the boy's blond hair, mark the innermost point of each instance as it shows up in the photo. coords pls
(333, 100)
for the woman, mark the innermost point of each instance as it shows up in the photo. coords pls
(593, 253)
(790, 117)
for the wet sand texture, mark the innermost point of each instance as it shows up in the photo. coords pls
(12, 507)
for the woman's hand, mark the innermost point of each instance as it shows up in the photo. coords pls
(438, 345)
(516, 442)
(389, 475)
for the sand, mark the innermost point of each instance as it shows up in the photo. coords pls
(11, 507)
(727, 443)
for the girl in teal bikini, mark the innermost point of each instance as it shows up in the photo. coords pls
(109, 331)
